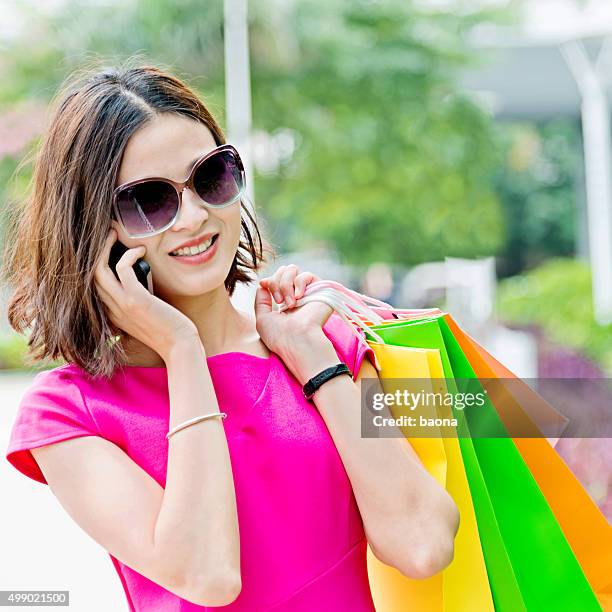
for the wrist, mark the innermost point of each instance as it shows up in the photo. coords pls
(308, 354)
(187, 347)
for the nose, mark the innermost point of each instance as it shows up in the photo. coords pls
(192, 214)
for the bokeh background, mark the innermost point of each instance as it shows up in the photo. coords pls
(426, 152)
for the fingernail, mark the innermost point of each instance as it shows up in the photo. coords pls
(278, 297)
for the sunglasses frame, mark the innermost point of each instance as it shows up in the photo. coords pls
(179, 187)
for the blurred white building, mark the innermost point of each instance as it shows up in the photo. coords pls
(559, 63)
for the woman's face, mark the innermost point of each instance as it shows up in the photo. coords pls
(166, 147)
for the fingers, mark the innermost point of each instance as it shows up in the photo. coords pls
(107, 298)
(266, 283)
(263, 302)
(287, 284)
(302, 281)
(126, 274)
(111, 290)
(281, 284)
(104, 277)
(271, 283)
(287, 288)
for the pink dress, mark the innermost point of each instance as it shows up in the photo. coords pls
(303, 546)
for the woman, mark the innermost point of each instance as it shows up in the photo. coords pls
(267, 509)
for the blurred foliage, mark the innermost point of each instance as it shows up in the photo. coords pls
(557, 297)
(183, 35)
(537, 185)
(11, 180)
(13, 350)
(8, 165)
(393, 163)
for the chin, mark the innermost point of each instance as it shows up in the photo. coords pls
(193, 287)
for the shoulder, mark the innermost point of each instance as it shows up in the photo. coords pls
(62, 381)
(51, 409)
(62, 385)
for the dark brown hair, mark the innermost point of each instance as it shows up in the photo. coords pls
(56, 235)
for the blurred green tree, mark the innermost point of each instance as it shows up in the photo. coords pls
(394, 163)
(185, 35)
(557, 296)
(538, 185)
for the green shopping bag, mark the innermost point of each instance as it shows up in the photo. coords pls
(529, 562)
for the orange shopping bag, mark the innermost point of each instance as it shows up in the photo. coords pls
(586, 529)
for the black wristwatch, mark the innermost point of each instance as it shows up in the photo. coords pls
(322, 377)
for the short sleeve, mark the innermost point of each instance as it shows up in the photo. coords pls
(346, 341)
(51, 410)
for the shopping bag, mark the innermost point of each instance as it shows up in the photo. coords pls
(503, 582)
(585, 527)
(391, 591)
(463, 585)
(544, 567)
(506, 497)
(364, 311)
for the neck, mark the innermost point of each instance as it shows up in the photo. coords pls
(221, 327)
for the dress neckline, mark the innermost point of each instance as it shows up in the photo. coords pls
(240, 354)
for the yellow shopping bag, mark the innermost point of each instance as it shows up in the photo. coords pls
(463, 585)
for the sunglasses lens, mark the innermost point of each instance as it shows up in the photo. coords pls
(219, 179)
(147, 207)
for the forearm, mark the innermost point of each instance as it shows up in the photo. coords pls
(409, 519)
(197, 525)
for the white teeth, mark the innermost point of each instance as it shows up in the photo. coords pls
(193, 250)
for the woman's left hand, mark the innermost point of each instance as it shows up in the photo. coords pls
(293, 328)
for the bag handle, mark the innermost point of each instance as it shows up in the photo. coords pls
(355, 308)
(355, 295)
(348, 310)
(352, 309)
(377, 307)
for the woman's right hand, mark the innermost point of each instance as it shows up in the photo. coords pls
(135, 310)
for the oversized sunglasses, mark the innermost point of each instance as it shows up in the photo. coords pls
(149, 206)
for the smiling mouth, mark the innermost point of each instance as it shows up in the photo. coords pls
(192, 251)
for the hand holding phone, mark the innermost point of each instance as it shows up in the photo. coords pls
(141, 314)
(141, 267)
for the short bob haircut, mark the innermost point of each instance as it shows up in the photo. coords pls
(56, 235)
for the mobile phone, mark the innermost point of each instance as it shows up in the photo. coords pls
(141, 267)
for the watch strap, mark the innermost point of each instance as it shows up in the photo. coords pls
(322, 377)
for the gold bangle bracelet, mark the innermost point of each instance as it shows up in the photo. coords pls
(194, 421)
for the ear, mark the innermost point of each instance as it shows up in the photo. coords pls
(117, 227)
